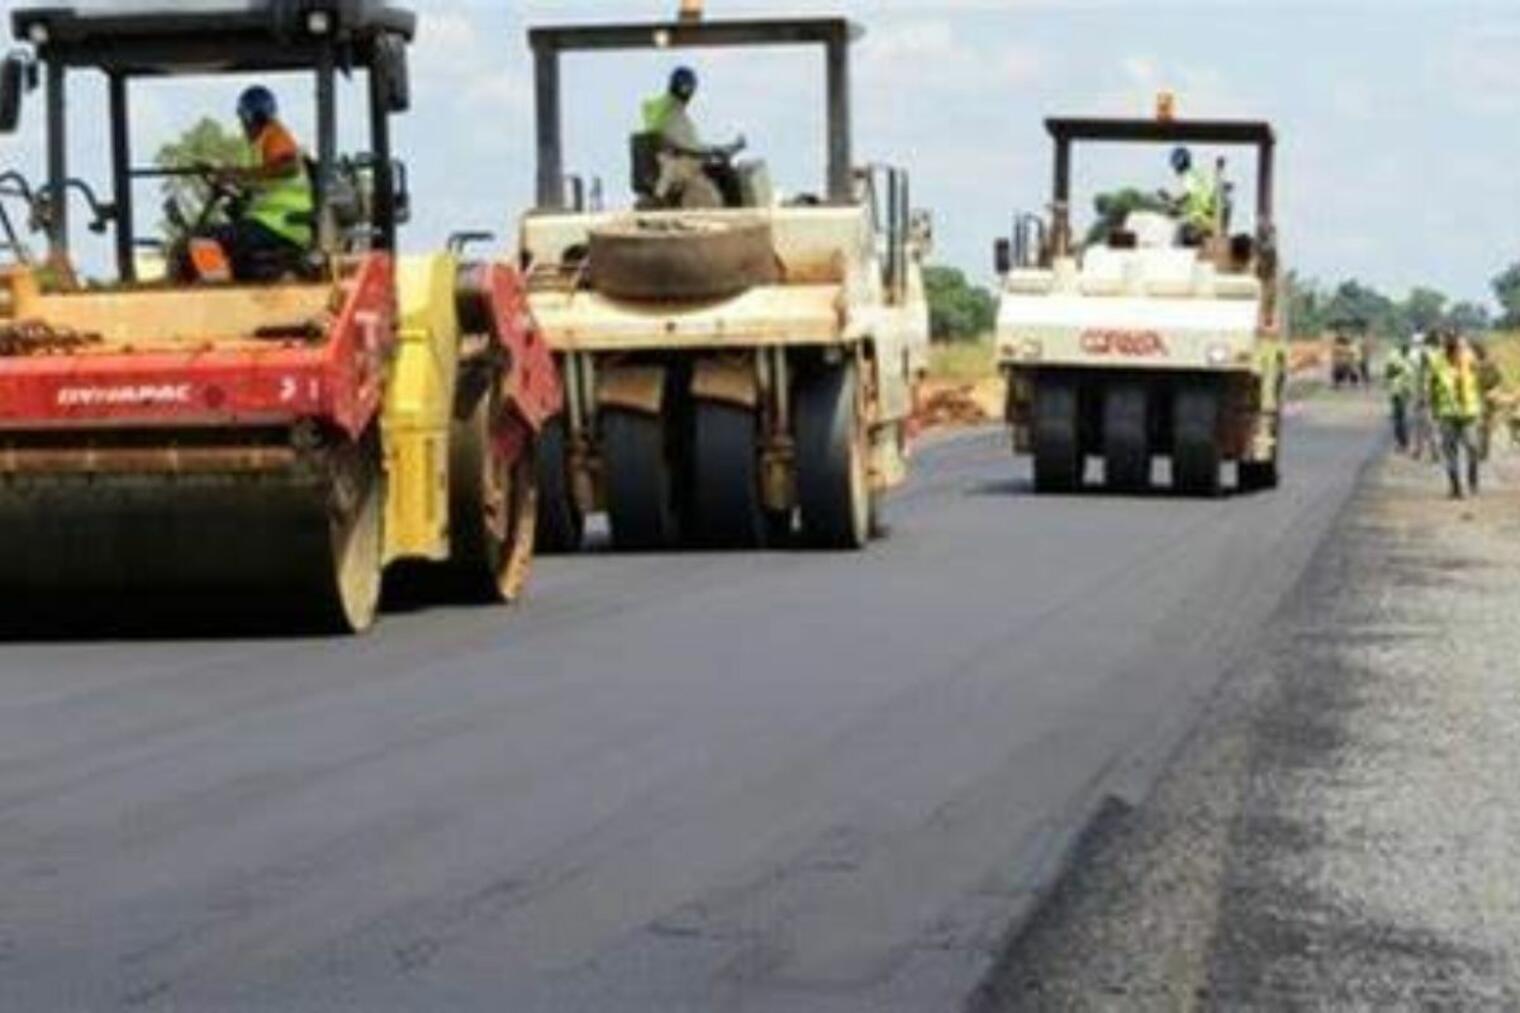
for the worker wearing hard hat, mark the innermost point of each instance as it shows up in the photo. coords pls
(1398, 378)
(1456, 400)
(1491, 386)
(1200, 202)
(1422, 439)
(684, 159)
(271, 205)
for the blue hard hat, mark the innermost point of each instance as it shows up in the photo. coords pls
(1182, 159)
(257, 105)
(683, 82)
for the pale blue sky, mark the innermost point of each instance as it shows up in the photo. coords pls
(1400, 121)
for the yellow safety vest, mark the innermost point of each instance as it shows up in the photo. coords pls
(1201, 203)
(1399, 374)
(657, 112)
(1454, 390)
(284, 206)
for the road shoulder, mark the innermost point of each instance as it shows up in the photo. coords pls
(1339, 828)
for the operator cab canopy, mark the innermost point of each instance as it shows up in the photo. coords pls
(127, 40)
(143, 37)
(1144, 229)
(833, 35)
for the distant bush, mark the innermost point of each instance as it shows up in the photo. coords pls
(958, 310)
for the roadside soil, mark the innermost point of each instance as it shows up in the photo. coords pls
(1342, 829)
(951, 403)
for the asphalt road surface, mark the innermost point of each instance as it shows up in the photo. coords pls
(791, 781)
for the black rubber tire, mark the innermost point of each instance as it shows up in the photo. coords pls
(492, 508)
(1126, 436)
(691, 258)
(728, 508)
(1058, 458)
(641, 486)
(1259, 476)
(561, 525)
(1196, 451)
(833, 480)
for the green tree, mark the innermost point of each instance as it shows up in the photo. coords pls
(958, 310)
(1470, 317)
(1507, 291)
(1114, 208)
(1306, 307)
(1354, 301)
(206, 143)
(1424, 310)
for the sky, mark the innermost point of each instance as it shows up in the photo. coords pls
(1399, 120)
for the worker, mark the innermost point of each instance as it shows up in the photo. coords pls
(1200, 202)
(275, 228)
(1422, 441)
(1491, 388)
(1456, 401)
(1398, 378)
(692, 174)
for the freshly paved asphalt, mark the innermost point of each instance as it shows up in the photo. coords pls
(790, 781)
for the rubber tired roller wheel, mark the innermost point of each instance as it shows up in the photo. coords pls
(493, 500)
(1057, 442)
(641, 497)
(688, 258)
(1126, 437)
(726, 495)
(561, 525)
(833, 480)
(1196, 452)
(1260, 476)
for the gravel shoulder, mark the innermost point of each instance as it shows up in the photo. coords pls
(1342, 829)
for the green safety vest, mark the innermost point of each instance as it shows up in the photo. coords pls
(1454, 390)
(1200, 205)
(657, 113)
(283, 206)
(1398, 374)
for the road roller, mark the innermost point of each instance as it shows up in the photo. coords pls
(1148, 336)
(283, 436)
(741, 363)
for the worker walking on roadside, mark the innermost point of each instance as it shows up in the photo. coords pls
(1421, 426)
(685, 162)
(1456, 400)
(1199, 203)
(1491, 386)
(1398, 378)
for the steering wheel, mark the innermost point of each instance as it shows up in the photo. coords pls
(221, 195)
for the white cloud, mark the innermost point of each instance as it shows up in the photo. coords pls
(931, 57)
(452, 57)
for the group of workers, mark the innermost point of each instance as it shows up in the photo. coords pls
(1443, 391)
(275, 221)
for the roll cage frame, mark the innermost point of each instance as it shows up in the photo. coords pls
(1067, 132)
(323, 37)
(834, 35)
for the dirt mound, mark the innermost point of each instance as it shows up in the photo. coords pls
(956, 405)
